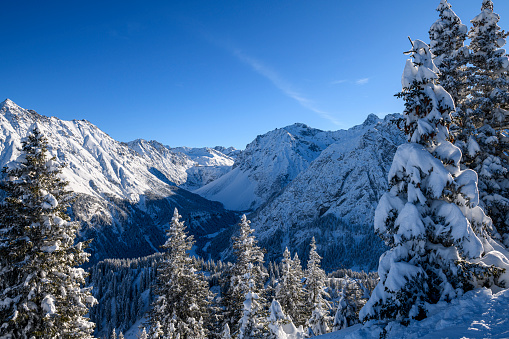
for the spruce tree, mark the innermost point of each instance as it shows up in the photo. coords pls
(345, 314)
(245, 303)
(318, 305)
(487, 107)
(290, 290)
(183, 295)
(447, 37)
(429, 215)
(41, 293)
(281, 325)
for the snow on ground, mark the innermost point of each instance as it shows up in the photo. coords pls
(478, 314)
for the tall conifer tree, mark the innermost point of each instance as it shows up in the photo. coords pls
(180, 309)
(318, 305)
(447, 37)
(245, 301)
(487, 107)
(290, 290)
(430, 217)
(41, 293)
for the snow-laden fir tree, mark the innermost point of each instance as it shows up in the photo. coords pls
(281, 325)
(182, 293)
(225, 333)
(429, 215)
(244, 301)
(447, 37)
(345, 314)
(41, 293)
(290, 290)
(143, 334)
(487, 106)
(317, 304)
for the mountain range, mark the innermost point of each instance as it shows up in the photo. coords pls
(294, 183)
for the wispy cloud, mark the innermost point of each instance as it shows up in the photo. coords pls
(337, 82)
(268, 73)
(362, 81)
(282, 85)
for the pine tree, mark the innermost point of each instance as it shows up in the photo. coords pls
(41, 293)
(183, 294)
(290, 290)
(487, 107)
(345, 314)
(143, 334)
(447, 38)
(319, 307)
(429, 215)
(281, 325)
(245, 302)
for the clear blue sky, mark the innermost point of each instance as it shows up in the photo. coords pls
(205, 73)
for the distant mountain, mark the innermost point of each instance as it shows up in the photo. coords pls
(334, 200)
(267, 165)
(294, 182)
(126, 192)
(298, 182)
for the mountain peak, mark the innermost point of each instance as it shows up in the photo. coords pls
(371, 119)
(8, 103)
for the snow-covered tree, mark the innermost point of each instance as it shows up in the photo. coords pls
(429, 215)
(41, 293)
(447, 36)
(245, 301)
(281, 325)
(290, 290)
(317, 304)
(225, 334)
(345, 314)
(487, 108)
(183, 294)
(143, 334)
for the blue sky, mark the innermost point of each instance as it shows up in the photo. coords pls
(205, 73)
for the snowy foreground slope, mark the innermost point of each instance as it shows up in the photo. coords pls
(478, 314)
(127, 192)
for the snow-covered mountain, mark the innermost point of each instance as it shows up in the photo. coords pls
(298, 182)
(267, 165)
(126, 192)
(189, 168)
(334, 199)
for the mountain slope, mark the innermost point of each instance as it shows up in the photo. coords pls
(334, 200)
(268, 164)
(125, 200)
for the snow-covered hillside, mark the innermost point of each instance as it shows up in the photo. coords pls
(126, 192)
(478, 314)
